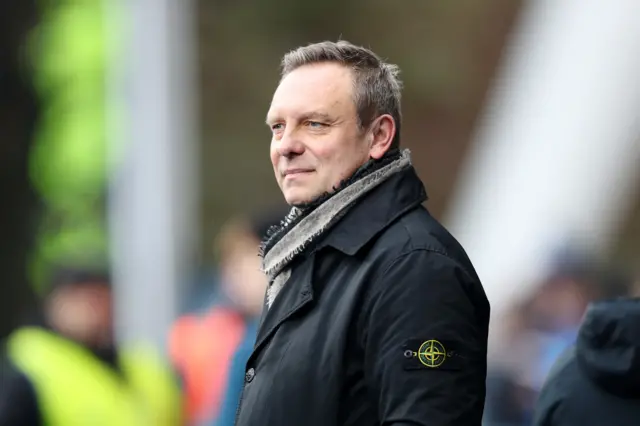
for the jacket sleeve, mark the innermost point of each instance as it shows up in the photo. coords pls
(545, 409)
(424, 333)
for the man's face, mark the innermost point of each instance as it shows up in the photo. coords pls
(244, 282)
(82, 312)
(316, 140)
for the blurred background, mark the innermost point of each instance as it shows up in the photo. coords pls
(133, 136)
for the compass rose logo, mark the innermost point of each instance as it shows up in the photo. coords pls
(432, 354)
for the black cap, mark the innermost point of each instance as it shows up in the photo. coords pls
(69, 276)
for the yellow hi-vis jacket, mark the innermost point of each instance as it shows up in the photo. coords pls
(75, 388)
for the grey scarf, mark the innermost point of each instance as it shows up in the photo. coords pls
(276, 261)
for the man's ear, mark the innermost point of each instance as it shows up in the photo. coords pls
(382, 132)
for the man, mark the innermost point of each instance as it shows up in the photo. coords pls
(597, 381)
(67, 371)
(374, 315)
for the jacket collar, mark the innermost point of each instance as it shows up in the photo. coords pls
(300, 232)
(376, 211)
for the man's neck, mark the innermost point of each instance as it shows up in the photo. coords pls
(300, 211)
(367, 168)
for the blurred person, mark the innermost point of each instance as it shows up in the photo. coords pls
(597, 381)
(201, 346)
(374, 314)
(245, 283)
(547, 323)
(559, 310)
(508, 398)
(67, 370)
(556, 313)
(211, 349)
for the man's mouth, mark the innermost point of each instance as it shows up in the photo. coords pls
(296, 172)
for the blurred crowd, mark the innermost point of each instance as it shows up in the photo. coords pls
(65, 359)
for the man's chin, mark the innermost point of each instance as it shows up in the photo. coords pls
(300, 199)
(298, 202)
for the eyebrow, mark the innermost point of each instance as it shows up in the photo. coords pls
(309, 116)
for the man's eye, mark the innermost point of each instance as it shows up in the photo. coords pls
(315, 124)
(277, 127)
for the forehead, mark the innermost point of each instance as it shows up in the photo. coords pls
(326, 87)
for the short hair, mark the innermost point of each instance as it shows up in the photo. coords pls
(377, 88)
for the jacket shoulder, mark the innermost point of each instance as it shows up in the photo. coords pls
(556, 389)
(418, 230)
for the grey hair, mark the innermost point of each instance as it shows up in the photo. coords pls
(377, 88)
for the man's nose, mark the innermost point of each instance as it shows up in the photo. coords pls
(290, 144)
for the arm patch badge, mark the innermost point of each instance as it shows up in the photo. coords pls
(431, 354)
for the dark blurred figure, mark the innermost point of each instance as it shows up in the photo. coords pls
(66, 369)
(541, 328)
(211, 349)
(597, 381)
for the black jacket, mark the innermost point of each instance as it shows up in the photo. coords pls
(597, 382)
(384, 322)
(18, 403)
